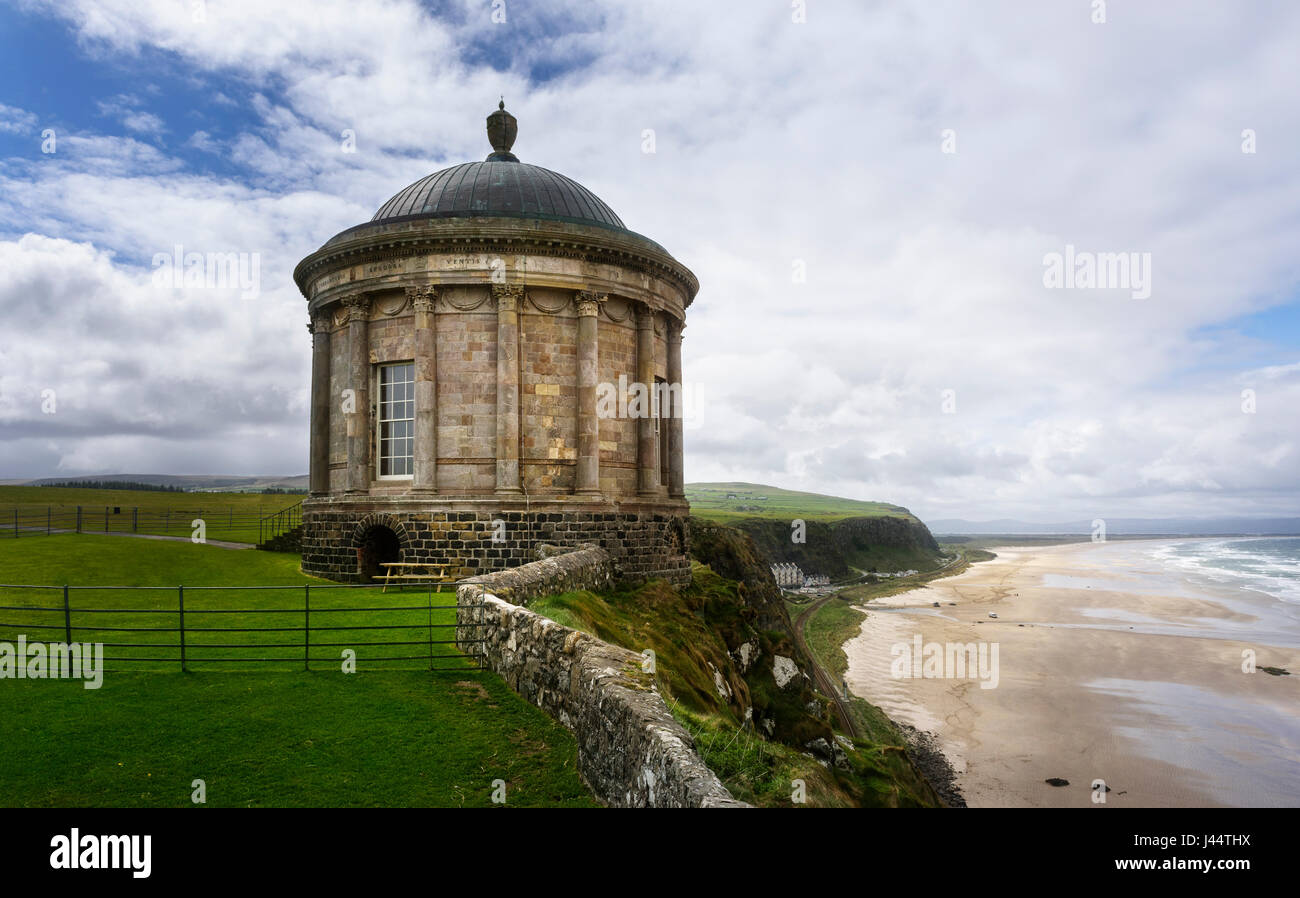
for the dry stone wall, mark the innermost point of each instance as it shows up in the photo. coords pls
(631, 751)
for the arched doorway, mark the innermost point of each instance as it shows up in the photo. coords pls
(378, 544)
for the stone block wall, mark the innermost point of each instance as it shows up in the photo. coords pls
(467, 400)
(548, 401)
(631, 751)
(616, 354)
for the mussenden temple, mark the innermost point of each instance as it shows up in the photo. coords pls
(460, 339)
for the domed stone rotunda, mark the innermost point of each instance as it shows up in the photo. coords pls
(475, 345)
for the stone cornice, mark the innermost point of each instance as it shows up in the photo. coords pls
(382, 241)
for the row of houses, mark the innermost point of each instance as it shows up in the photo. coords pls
(788, 576)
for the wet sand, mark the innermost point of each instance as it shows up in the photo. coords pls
(1117, 674)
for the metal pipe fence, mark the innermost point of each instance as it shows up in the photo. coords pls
(205, 627)
(227, 524)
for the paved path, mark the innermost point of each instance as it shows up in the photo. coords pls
(219, 543)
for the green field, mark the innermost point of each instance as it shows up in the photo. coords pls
(258, 734)
(231, 517)
(710, 500)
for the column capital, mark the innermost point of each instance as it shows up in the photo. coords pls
(319, 322)
(645, 317)
(588, 303)
(356, 308)
(422, 297)
(508, 296)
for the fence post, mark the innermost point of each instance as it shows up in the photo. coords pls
(167, 522)
(105, 518)
(135, 519)
(180, 595)
(67, 616)
(47, 520)
(306, 626)
(78, 518)
(15, 523)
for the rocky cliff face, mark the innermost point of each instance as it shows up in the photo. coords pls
(733, 554)
(726, 658)
(773, 685)
(885, 543)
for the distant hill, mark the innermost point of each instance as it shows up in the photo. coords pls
(729, 502)
(209, 483)
(1124, 527)
(841, 535)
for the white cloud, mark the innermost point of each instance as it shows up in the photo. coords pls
(16, 121)
(776, 142)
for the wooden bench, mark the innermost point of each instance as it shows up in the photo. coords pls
(403, 571)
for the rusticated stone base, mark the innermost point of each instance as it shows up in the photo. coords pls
(477, 536)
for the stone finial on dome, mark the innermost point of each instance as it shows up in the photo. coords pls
(502, 128)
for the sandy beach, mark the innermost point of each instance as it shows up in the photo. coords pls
(1109, 667)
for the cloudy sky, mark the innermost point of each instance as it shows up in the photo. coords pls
(867, 191)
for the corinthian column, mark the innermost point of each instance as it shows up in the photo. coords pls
(676, 478)
(358, 404)
(587, 480)
(425, 476)
(507, 298)
(647, 448)
(319, 479)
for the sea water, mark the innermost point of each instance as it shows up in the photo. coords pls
(1266, 565)
(1246, 746)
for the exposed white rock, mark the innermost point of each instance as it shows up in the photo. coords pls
(749, 653)
(722, 687)
(784, 670)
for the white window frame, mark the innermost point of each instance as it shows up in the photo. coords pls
(380, 421)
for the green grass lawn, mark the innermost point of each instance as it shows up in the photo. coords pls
(231, 517)
(709, 500)
(257, 734)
